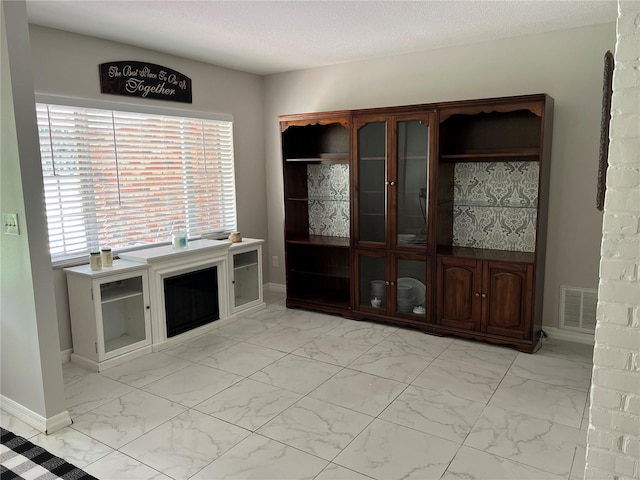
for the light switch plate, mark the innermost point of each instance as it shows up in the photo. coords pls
(10, 224)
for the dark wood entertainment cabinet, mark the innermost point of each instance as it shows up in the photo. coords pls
(430, 216)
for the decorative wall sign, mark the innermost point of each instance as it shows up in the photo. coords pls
(145, 80)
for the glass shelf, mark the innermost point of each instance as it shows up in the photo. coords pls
(328, 199)
(484, 205)
(113, 294)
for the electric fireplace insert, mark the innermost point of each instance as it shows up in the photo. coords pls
(191, 300)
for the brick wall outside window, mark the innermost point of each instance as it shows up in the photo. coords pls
(613, 442)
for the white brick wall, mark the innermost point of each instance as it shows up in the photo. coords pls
(613, 442)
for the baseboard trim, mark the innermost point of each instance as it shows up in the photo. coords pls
(569, 336)
(275, 287)
(45, 425)
(65, 355)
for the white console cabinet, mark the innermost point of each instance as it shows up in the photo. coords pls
(110, 314)
(119, 313)
(246, 274)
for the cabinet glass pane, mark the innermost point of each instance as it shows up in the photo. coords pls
(373, 275)
(372, 152)
(122, 313)
(411, 289)
(413, 158)
(245, 277)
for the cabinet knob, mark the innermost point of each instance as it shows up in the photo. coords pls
(484, 295)
(477, 294)
(392, 183)
(387, 282)
(148, 307)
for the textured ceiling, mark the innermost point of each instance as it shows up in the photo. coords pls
(266, 37)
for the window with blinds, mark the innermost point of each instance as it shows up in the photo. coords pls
(123, 179)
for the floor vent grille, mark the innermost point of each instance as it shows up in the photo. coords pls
(578, 309)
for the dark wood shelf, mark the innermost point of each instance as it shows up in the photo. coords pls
(486, 254)
(484, 156)
(319, 240)
(337, 274)
(319, 299)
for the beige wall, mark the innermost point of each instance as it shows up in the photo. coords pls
(66, 64)
(30, 373)
(567, 65)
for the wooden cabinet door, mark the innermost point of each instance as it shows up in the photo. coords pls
(508, 303)
(459, 302)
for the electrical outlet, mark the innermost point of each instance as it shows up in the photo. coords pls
(275, 260)
(10, 224)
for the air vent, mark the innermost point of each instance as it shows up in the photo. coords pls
(578, 309)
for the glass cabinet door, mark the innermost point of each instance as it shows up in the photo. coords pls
(372, 191)
(411, 288)
(123, 314)
(412, 153)
(373, 281)
(245, 278)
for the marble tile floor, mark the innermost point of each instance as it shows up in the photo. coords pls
(292, 394)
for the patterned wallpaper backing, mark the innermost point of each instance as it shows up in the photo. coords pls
(495, 205)
(328, 187)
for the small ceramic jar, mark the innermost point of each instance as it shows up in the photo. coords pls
(235, 237)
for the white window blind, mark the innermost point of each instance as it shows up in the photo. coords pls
(125, 179)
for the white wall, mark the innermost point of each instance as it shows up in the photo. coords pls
(66, 64)
(567, 65)
(614, 429)
(31, 375)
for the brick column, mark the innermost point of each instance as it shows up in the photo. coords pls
(613, 442)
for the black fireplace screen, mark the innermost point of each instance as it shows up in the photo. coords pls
(191, 300)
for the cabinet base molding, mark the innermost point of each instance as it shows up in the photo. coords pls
(344, 311)
(525, 346)
(111, 362)
(45, 425)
